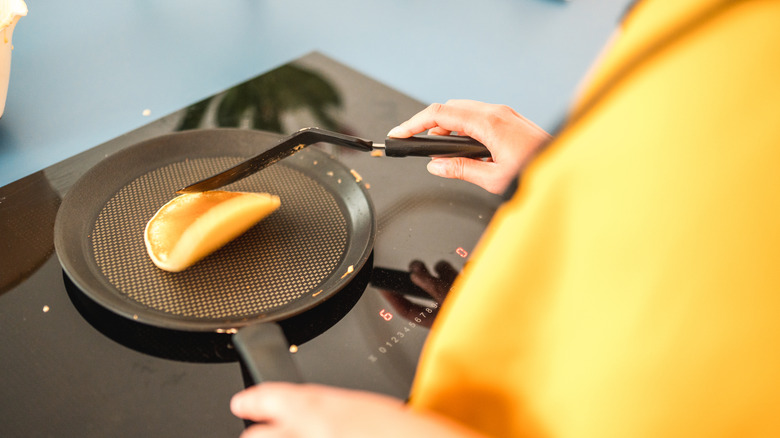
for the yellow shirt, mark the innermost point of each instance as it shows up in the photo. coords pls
(631, 287)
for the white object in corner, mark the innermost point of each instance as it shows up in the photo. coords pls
(10, 11)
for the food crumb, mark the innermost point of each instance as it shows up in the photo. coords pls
(330, 173)
(45, 309)
(376, 153)
(147, 112)
(368, 186)
(357, 176)
(349, 271)
(230, 331)
(293, 349)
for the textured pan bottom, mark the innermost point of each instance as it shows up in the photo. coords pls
(284, 257)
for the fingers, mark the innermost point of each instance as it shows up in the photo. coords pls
(446, 271)
(437, 288)
(264, 431)
(264, 403)
(454, 116)
(421, 276)
(510, 137)
(437, 130)
(427, 282)
(312, 411)
(481, 173)
(419, 122)
(460, 168)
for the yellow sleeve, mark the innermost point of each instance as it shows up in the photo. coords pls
(631, 288)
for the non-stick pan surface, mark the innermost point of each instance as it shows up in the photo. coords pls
(300, 255)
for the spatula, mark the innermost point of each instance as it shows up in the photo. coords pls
(418, 146)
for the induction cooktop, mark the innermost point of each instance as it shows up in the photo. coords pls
(70, 367)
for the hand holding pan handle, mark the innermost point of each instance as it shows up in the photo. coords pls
(265, 352)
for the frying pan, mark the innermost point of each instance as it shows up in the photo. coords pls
(293, 260)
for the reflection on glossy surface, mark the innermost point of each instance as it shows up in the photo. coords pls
(155, 341)
(27, 215)
(411, 293)
(211, 347)
(260, 103)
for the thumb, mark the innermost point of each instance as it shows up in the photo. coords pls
(481, 173)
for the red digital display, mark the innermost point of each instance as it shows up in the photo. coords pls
(387, 316)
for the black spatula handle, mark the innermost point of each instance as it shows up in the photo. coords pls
(435, 146)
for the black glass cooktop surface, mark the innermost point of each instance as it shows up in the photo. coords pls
(69, 367)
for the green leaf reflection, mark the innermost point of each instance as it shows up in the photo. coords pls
(260, 102)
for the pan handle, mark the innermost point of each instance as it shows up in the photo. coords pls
(266, 354)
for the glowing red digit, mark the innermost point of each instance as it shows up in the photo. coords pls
(387, 316)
